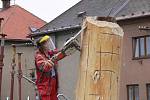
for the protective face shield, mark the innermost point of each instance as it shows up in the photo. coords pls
(49, 45)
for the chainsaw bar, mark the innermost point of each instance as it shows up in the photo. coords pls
(74, 37)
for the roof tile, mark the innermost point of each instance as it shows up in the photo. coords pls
(96, 8)
(17, 22)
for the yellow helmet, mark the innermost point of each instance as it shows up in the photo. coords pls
(44, 38)
(41, 40)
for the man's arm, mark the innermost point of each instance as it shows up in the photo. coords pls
(67, 50)
(43, 64)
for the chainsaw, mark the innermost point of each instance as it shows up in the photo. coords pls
(69, 47)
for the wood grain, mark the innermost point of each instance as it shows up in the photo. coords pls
(100, 61)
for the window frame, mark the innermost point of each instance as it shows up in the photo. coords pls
(146, 56)
(133, 91)
(148, 84)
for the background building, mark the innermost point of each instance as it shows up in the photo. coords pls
(136, 44)
(17, 24)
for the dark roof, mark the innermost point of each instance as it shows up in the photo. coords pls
(18, 21)
(97, 8)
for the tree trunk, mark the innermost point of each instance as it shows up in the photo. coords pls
(100, 61)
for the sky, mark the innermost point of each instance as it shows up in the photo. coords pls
(45, 9)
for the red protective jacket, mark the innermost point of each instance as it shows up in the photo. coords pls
(46, 82)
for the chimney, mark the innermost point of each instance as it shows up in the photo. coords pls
(6, 4)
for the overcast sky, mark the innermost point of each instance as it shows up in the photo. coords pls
(46, 9)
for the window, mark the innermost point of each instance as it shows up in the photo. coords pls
(133, 92)
(141, 47)
(148, 91)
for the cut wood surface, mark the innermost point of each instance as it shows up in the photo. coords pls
(100, 61)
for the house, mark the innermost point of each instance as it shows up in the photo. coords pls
(17, 24)
(134, 18)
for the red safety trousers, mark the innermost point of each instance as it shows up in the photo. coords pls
(46, 84)
(53, 95)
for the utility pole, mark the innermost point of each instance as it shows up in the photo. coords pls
(13, 64)
(1, 53)
(19, 73)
